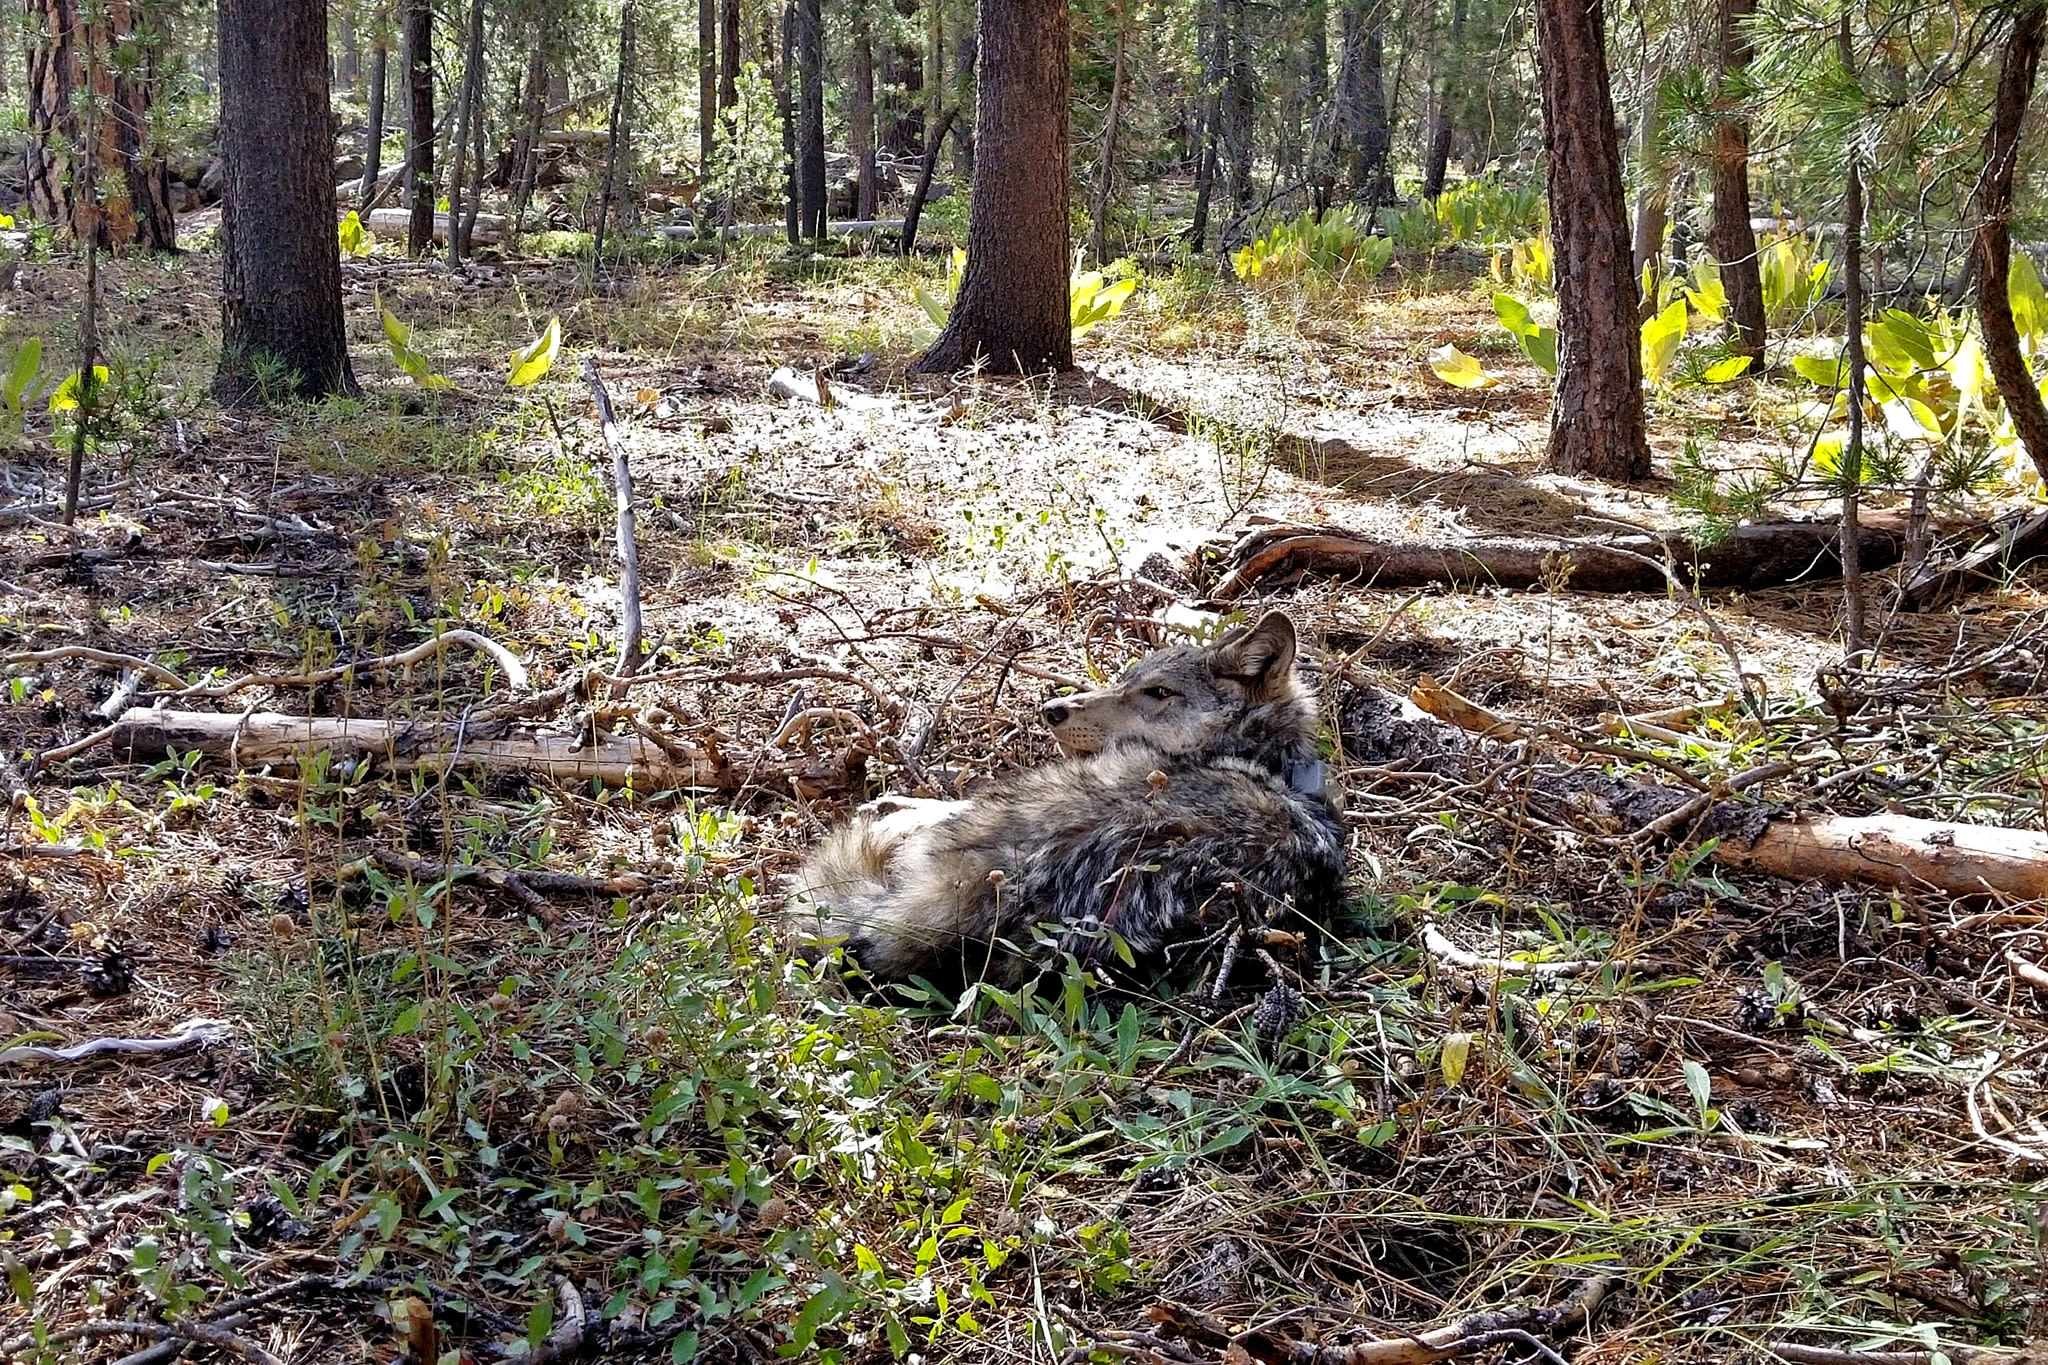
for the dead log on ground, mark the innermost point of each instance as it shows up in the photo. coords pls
(2009, 542)
(1897, 851)
(490, 227)
(1766, 555)
(645, 761)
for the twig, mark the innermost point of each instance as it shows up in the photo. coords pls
(629, 550)
(1475, 1333)
(160, 1331)
(515, 672)
(1956, 1355)
(98, 656)
(1439, 946)
(192, 1033)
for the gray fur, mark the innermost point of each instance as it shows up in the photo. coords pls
(1171, 815)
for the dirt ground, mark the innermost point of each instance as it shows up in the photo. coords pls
(442, 1115)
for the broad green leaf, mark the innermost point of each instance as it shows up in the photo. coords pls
(28, 362)
(1821, 370)
(1661, 336)
(934, 308)
(1709, 297)
(2029, 302)
(399, 333)
(65, 399)
(1725, 369)
(530, 363)
(1513, 314)
(1699, 1085)
(1457, 1050)
(1540, 345)
(1462, 371)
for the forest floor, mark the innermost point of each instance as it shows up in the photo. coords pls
(442, 1113)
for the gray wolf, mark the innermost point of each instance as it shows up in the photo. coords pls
(1191, 798)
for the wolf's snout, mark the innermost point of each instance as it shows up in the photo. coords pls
(1057, 713)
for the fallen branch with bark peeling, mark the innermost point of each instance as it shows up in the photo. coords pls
(642, 761)
(1766, 555)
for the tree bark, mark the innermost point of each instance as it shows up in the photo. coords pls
(1437, 163)
(620, 135)
(465, 116)
(1730, 239)
(1210, 45)
(418, 48)
(526, 146)
(1852, 452)
(373, 137)
(1362, 102)
(707, 85)
(861, 114)
(1013, 310)
(2016, 383)
(915, 209)
(1653, 193)
(1596, 414)
(134, 181)
(811, 117)
(785, 108)
(281, 318)
(1238, 108)
(728, 55)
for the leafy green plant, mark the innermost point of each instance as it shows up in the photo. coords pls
(1538, 341)
(1795, 277)
(531, 363)
(1093, 297)
(17, 387)
(398, 336)
(1334, 247)
(355, 235)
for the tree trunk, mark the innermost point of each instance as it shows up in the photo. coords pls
(965, 48)
(1013, 307)
(915, 209)
(934, 63)
(281, 319)
(134, 182)
(2016, 384)
(1239, 107)
(1852, 452)
(465, 116)
(728, 55)
(1730, 239)
(785, 108)
(526, 146)
(1105, 170)
(1653, 193)
(811, 119)
(1596, 414)
(1209, 44)
(1437, 162)
(615, 156)
(707, 85)
(861, 114)
(418, 48)
(1362, 102)
(373, 138)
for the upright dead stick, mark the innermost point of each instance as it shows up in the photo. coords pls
(629, 550)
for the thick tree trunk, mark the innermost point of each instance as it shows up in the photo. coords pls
(419, 124)
(134, 181)
(1730, 239)
(1012, 312)
(811, 116)
(281, 319)
(1596, 415)
(785, 108)
(1362, 102)
(1437, 159)
(1105, 168)
(465, 116)
(861, 114)
(373, 137)
(2016, 383)
(707, 85)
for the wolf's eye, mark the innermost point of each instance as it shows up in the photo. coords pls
(1161, 693)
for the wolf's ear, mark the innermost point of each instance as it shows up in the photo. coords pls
(1261, 657)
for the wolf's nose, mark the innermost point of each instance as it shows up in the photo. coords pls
(1056, 712)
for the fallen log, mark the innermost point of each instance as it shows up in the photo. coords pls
(643, 761)
(2010, 542)
(1897, 851)
(1765, 555)
(490, 227)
